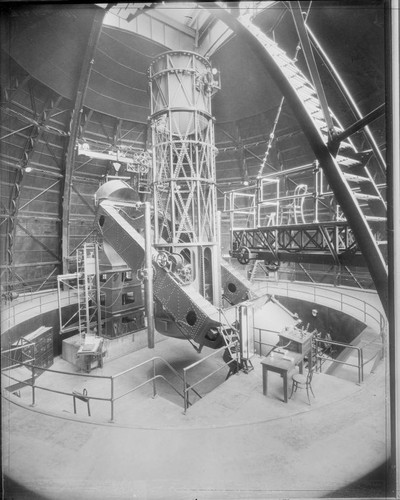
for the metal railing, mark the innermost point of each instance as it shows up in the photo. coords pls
(34, 304)
(318, 349)
(360, 356)
(330, 296)
(152, 379)
(36, 370)
(342, 276)
(259, 342)
(187, 387)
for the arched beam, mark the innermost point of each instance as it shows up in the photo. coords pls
(344, 195)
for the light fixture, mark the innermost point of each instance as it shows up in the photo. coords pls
(214, 71)
(28, 169)
(117, 166)
(245, 183)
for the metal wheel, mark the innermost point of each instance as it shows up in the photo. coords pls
(243, 256)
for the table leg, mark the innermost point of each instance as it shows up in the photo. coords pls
(285, 387)
(265, 380)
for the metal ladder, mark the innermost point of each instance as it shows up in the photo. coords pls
(257, 270)
(231, 339)
(87, 290)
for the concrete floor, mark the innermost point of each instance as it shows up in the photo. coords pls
(234, 443)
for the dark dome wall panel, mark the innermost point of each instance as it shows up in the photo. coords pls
(131, 50)
(116, 70)
(118, 83)
(114, 107)
(109, 88)
(50, 47)
(246, 88)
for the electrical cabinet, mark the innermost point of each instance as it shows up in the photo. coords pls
(42, 338)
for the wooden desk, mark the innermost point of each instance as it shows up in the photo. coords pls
(276, 363)
(298, 340)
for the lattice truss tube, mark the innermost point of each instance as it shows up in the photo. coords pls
(184, 187)
(327, 238)
(184, 179)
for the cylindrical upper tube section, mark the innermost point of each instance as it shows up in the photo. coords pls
(179, 83)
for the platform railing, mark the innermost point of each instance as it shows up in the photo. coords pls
(318, 349)
(111, 379)
(190, 387)
(330, 296)
(360, 356)
(30, 305)
(258, 332)
(152, 379)
(36, 370)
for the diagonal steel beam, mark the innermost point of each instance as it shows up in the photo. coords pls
(359, 124)
(349, 99)
(40, 194)
(343, 193)
(35, 238)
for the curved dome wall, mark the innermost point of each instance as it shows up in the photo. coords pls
(49, 45)
(42, 51)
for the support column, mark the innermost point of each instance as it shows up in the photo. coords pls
(148, 281)
(87, 63)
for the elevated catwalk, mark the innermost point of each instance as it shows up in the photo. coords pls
(234, 443)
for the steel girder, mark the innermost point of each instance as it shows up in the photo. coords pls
(343, 193)
(76, 113)
(323, 242)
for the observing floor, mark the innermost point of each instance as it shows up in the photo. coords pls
(233, 443)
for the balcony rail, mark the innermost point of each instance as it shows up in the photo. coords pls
(342, 300)
(111, 380)
(268, 202)
(187, 387)
(36, 370)
(320, 357)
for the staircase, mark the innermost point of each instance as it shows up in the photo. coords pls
(349, 179)
(258, 271)
(352, 163)
(232, 353)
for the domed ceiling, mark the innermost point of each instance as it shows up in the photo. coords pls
(60, 60)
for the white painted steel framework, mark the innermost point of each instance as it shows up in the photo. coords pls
(184, 181)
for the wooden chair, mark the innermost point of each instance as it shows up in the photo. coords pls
(303, 382)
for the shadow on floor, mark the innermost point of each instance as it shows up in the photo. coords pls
(14, 491)
(376, 484)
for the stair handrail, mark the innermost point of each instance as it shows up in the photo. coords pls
(187, 387)
(154, 358)
(360, 357)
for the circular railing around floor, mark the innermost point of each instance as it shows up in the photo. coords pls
(363, 305)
